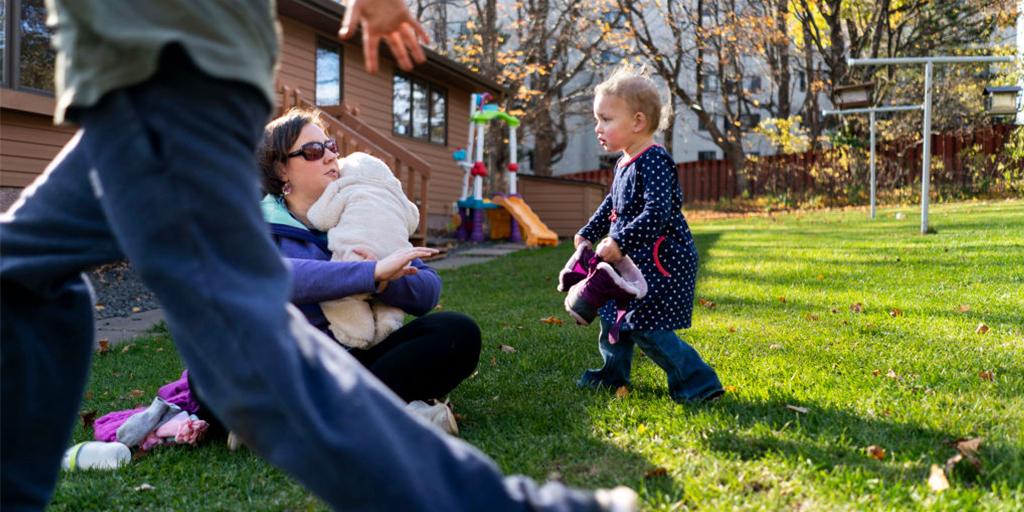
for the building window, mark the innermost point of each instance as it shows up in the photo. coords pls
(419, 110)
(754, 84)
(704, 127)
(749, 121)
(704, 156)
(801, 80)
(328, 72)
(710, 83)
(26, 58)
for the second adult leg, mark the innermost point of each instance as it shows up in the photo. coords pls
(426, 358)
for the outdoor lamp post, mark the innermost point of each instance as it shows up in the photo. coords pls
(1001, 101)
(853, 95)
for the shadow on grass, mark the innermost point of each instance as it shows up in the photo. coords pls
(834, 440)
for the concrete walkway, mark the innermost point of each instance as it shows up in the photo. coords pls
(125, 328)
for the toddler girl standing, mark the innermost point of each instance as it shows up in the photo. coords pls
(642, 216)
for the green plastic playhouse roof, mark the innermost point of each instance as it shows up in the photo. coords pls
(485, 116)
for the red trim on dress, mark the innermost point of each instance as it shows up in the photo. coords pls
(657, 262)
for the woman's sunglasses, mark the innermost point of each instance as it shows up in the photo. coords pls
(315, 150)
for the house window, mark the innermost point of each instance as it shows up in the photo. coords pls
(419, 109)
(754, 84)
(710, 83)
(704, 127)
(26, 58)
(801, 80)
(704, 156)
(750, 121)
(328, 73)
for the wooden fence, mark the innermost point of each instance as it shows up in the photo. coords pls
(954, 162)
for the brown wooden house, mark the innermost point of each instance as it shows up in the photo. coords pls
(414, 121)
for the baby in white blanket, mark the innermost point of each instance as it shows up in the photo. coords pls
(364, 209)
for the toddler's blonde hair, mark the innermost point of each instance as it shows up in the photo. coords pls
(635, 86)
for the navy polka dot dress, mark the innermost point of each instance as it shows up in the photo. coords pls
(643, 213)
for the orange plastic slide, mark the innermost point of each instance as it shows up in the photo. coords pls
(534, 231)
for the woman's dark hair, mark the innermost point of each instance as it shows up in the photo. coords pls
(278, 137)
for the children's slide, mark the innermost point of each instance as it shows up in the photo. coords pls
(534, 231)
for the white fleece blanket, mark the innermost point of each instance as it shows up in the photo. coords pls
(364, 208)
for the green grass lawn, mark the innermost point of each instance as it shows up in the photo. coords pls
(781, 333)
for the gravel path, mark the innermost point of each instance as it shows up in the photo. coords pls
(119, 291)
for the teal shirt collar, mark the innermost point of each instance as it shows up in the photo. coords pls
(275, 212)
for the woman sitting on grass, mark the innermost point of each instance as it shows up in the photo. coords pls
(423, 360)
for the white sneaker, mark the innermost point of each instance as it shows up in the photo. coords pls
(233, 442)
(619, 499)
(438, 415)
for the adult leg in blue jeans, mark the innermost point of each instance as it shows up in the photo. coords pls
(163, 173)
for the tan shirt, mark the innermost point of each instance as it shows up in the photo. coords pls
(104, 45)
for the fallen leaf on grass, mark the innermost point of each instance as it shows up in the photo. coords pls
(982, 328)
(656, 472)
(986, 375)
(551, 320)
(100, 307)
(706, 303)
(857, 307)
(963, 308)
(774, 346)
(797, 408)
(811, 317)
(892, 374)
(125, 348)
(732, 328)
(730, 389)
(104, 347)
(144, 487)
(782, 299)
(494, 362)
(88, 418)
(895, 312)
(937, 479)
(507, 348)
(968, 449)
(621, 392)
(876, 373)
(876, 452)
(135, 393)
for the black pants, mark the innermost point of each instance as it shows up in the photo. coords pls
(426, 358)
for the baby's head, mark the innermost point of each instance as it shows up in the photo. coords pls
(627, 108)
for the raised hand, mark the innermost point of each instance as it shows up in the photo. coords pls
(389, 20)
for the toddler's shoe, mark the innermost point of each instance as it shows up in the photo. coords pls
(596, 379)
(577, 268)
(438, 415)
(620, 283)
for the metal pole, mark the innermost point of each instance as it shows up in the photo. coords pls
(926, 157)
(939, 59)
(872, 164)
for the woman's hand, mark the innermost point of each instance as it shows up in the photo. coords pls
(579, 240)
(609, 251)
(389, 20)
(395, 265)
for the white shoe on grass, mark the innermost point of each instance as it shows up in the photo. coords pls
(438, 415)
(619, 499)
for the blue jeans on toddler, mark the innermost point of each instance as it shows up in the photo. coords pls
(690, 379)
(164, 174)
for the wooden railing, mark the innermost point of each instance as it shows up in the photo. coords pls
(354, 135)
